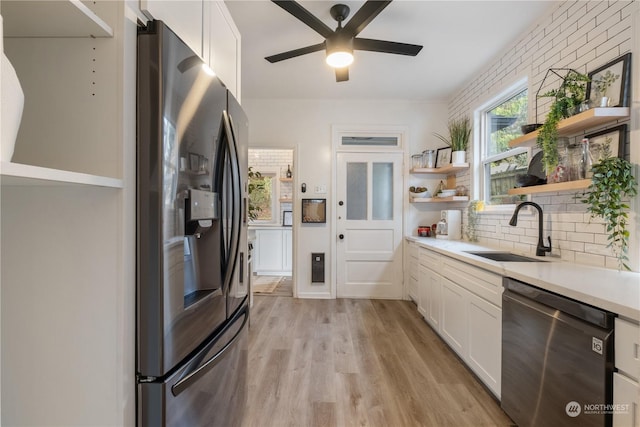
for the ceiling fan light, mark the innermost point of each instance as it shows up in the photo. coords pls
(339, 59)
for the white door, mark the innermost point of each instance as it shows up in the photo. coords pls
(369, 225)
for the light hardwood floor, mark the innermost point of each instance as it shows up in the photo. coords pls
(357, 363)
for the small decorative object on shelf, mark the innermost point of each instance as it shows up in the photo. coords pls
(289, 171)
(586, 161)
(458, 140)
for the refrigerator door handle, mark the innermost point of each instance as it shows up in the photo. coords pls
(236, 220)
(193, 376)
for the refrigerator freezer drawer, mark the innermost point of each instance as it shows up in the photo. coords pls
(209, 390)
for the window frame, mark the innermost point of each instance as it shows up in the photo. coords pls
(274, 175)
(481, 188)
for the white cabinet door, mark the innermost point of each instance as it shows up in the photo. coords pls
(484, 354)
(184, 17)
(287, 251)
(454, 316)
(222, 45)
(268, 251)
(424, 277)
(434, 301)
(626, 393)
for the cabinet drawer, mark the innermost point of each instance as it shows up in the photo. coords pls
(627, 347)
(481, 282)
(429, 259)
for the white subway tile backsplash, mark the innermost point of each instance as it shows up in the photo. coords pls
(582, 35)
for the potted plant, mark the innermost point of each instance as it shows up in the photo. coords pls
(613, 182)
(602, 84)
(567, 99)
(459, 134)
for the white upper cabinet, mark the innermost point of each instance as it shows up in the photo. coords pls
(222, 45)
(184, 17)
(208, 28)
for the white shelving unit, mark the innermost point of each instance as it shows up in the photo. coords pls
(68, 215)
(62, 18)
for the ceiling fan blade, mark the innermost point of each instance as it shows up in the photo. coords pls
(386, 46)
(342, 74)
(364, 16)
(305, 16)
(296, 52)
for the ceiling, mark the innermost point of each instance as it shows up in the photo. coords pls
(459, 38)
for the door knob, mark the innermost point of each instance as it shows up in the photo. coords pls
(340, 236)
(341, 203)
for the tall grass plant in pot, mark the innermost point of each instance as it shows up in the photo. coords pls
(458, 140)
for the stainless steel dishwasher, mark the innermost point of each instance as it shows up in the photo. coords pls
(557, 359)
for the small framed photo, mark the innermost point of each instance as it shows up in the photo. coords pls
(609, 85)
(444, 157)
(287, 218)
(607, 143)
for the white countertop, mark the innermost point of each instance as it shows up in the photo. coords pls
(612, 290)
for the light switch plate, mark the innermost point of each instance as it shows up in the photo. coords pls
(321, 189)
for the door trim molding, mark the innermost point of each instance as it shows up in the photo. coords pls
(337, 132)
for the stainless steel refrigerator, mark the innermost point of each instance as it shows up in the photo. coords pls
(192, 282)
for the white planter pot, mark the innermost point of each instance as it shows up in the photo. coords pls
(604, 102)
(458, 157)
(11, 111)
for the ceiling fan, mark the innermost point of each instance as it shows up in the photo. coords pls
(341, 42)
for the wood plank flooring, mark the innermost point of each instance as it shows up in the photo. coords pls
(357, 363)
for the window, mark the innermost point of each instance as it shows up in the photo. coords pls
(263, 197)
(500, 122)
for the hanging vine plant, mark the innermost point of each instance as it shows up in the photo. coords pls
(613, 183)
(568, 97)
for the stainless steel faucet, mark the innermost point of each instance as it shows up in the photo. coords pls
(541, 249)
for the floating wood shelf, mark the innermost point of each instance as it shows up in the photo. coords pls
(286, 200)
(286, 179)
(450, 168)
(438, 199)
(560, 186)
(574, 124)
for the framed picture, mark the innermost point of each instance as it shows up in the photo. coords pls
(314, 210)
(609, 85)
(287, 218)
(444, 157)
(610, 140)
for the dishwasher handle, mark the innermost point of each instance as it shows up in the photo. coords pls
(584, 312)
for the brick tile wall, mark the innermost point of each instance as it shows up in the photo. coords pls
(582, 35)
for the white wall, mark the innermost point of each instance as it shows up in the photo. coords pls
(583, 36)
(306, 126)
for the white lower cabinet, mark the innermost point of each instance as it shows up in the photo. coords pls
(273, 252)
(626, 394)
(454, 316)
(626, 389)
(463, 304)
(484, 353)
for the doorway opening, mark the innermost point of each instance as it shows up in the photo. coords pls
(271, 202)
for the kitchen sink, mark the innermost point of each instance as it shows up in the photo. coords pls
(505, 257)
